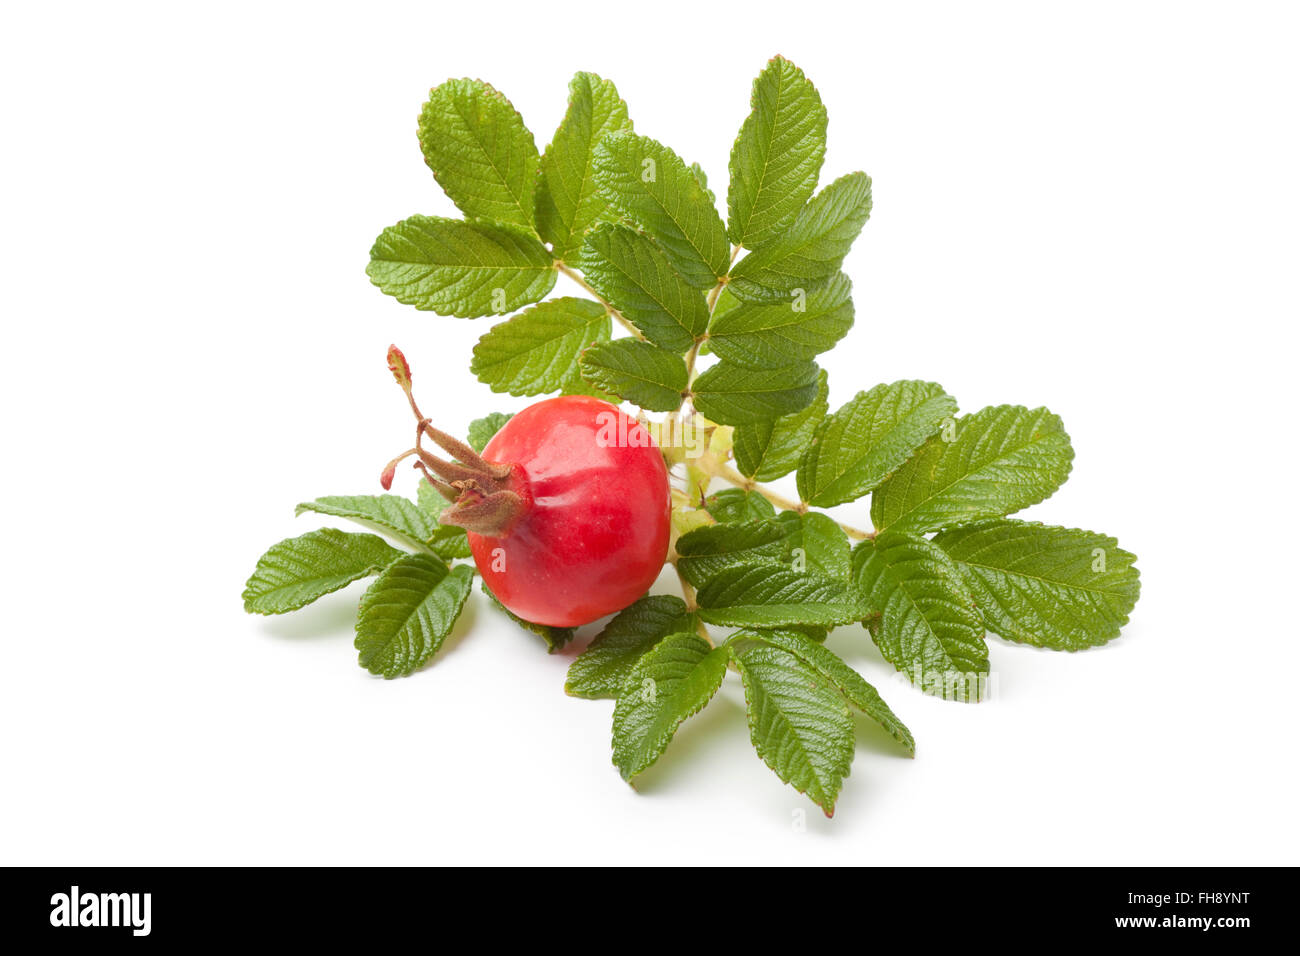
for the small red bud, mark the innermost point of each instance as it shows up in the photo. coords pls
(400, 368)
(386, 479)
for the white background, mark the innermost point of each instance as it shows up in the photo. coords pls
(1091, 207)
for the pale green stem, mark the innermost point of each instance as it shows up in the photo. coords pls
(586, 287)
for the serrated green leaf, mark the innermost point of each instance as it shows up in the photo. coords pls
(771, 595)
(810, 543)
(602, 669)
(706, 551)
(799, 723)
(702, 178)
(772, 334)
(816, 543)
(812, 249)
(638, 372)
(480, 152)
(392, 513)
(482, 430)
(856, 690)
(924, 618)
(734, 395)
(1001, 459)
(407, 612)
(649, 184)
(736, 504)
(567, 201)
(630, 270)
(724, 303)
(537, 351)
(777, 156)
(770, 449)
(296, 571)
(668, 684)
(466, 269)
(1061, 588)
(447, 541)
(862, 443)
(555, 637)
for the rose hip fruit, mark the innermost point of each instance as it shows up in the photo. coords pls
(591, 532)
(567, 509)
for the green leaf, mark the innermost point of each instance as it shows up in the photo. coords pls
(602, 669)
(389, 512)
(798, 722)
(816, 543)
(297, 571)
(555, 637)
(772, 334)
(630, 270)
(667, 685)
(859, 446)
(649, 184)
(567, 201)
(926, 623)
(703, 179)
(1052, 587)
(770, 449)
(708, 550)
(639, 372)
(407, 613)
(842, 677)
(777, 156)
(736, 504)
(734, 395)
(1001, 459)
(537, 351)
(480, 151)
(482, 430)
(466, 269)
(447, 541)
(724, 303)
(810, 543)
(812, 249)
(771, 595)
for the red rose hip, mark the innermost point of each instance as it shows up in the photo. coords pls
(567, 509)
(591, 532)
